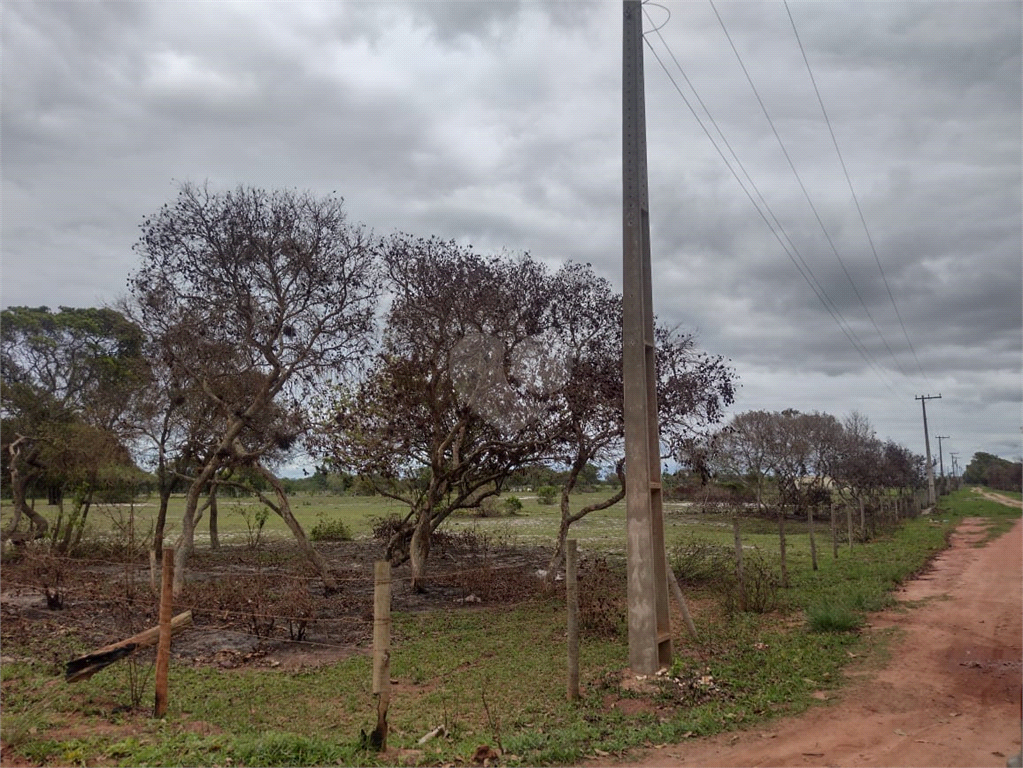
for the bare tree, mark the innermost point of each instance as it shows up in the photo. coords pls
(254, 297)
(744, 447)
(693, 389)
(455, 401)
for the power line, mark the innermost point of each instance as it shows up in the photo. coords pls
(802, 186)
(852, 191)
(801, 266)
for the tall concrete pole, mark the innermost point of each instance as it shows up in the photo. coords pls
(941, 455)
(931, 498)
(649, 627)
(941, 463)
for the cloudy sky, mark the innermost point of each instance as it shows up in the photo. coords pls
(499, 124)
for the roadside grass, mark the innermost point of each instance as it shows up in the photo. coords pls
(967, 503)
(1018, 496)
(495, 675)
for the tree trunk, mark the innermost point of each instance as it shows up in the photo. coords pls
(80, 528)
(781, 542)
(863, 521)
(284, 510)
(37, 523)
(214, 532)
(848, 520)
(813, 538)
(186, 542)
(554, 566)
(419, 550)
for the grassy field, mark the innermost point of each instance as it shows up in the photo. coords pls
(535, 524)
(492, 675)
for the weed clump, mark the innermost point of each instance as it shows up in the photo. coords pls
(833, 618)
(330, 530)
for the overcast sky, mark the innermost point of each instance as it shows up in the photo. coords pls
(499, 124)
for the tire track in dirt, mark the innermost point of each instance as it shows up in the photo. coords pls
(949, 696)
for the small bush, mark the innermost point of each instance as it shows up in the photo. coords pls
(385, 527)
(512, 505)
(602, 600)
(547, 495)
(255, 517)
(330, 530)
(832, 618)
(489, 507)
(761, 586)
(699, 562)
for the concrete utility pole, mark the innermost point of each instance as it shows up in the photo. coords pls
(931, 499)
(941, 456)
(955, 468)
(649, 627)
(941, 463)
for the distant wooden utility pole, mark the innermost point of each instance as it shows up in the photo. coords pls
(649, 627)
(931, 499)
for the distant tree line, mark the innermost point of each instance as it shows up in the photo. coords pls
(987, 469)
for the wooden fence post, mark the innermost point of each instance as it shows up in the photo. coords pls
(163, 646)
(834, 532)
(813, 537)
(381, 649)
(572, 598)
(740, 574)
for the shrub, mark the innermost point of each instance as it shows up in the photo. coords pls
(699, 562)
(330, 530)
(602, 600)
(489, 507)
(761, 583)
(385, 527)
(512, 505)
(547, 494)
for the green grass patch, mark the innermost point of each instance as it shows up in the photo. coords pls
(833, 618)
(968, 503)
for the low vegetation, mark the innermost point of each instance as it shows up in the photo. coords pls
(489, 674)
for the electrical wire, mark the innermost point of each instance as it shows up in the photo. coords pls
(802, 186)
(852, 191)
(797, 260)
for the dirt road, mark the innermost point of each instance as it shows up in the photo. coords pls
(949, 696)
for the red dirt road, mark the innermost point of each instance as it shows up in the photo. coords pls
(949, 696)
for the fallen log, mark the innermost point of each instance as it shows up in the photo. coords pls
(86, 666)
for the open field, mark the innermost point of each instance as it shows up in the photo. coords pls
(491, 672)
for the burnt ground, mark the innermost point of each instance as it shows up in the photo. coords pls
(249, 605)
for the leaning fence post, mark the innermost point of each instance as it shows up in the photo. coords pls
(572, 598)
(163, 646)
(381, 649)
